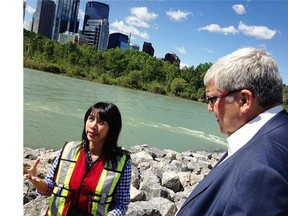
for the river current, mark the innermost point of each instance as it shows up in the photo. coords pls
(54, 107)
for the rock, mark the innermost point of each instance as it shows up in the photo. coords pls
(136, 195)
(171, 180)
(161, 179)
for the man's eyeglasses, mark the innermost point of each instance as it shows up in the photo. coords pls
(212, 100)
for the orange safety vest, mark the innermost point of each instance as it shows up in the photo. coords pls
(89, 191)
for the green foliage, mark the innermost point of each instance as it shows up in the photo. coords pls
(157, 88)
(127, 68)
(178, 85)
(135, 79)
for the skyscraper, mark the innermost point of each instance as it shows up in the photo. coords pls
(148, 48)
(24, 8)
(43, 17)
(172, 58)
(95, 10)
(66, 17)
(118, 39)
(96, 24)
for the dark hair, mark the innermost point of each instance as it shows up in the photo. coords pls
(110, 113)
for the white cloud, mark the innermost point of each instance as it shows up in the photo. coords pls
(30, 10)
(218, 29)
(81, 14)
(26, 25)
(181, 50)
(143, 14)
(263, 46)
(184, 65)
(140, 17)
(120, 26)
(135, 21)
(207, 50)
(178, 15)
(259, 32)
(239, 9)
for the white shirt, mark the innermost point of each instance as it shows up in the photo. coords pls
(240, 137)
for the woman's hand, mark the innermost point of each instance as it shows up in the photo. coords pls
(31, 173)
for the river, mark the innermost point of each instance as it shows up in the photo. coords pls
(54, 107)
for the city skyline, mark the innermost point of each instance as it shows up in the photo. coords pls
(198, 31)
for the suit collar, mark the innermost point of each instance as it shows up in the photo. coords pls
(245, 133)
(218, 168)
(278, 120)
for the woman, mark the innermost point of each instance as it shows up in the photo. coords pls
(92, 176)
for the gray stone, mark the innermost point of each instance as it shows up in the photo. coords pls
(161, 179)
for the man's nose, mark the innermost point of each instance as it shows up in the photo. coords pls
(210, 107)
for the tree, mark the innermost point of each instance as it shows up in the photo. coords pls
(128, 68)
(178, 85)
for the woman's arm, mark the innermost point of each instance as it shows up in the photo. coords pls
(50, 176)
(122, 193)
(43, 186)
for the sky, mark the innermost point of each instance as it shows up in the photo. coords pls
(198, 31)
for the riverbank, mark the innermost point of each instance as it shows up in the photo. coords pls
(161, 179)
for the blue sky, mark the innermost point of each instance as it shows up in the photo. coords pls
(198, 31)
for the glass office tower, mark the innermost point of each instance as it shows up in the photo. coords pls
(24, 8)
(118, 39)
(96, 24)
(66, 17)
(43, 18)
(96, 10)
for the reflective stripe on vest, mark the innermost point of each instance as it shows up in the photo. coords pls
(106, 186)
(100, 199)
(58, 204)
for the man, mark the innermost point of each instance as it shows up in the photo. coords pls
(245, 91)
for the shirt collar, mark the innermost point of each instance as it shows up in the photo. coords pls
(240, 137)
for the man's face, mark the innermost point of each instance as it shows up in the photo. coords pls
(227, 114)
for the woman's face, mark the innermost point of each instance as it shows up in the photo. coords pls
(96, 129)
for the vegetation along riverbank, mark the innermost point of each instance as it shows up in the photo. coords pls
(127, 68)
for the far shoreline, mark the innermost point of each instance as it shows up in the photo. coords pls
(217, 151)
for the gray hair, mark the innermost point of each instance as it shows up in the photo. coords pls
(248, 68)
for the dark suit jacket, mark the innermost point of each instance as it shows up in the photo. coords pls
(254, 181)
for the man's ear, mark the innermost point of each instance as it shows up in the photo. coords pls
(246, 101)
